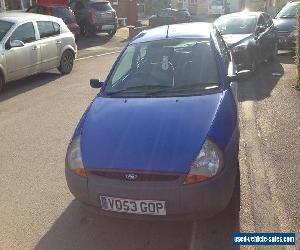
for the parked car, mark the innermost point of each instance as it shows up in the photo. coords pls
(218, 7)
(95, 16)
(32, 43)
(251, 36)
(63, 12)
(153, 140)
(286, 23)
(169, 16)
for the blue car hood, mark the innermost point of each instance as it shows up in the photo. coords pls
(148, 134)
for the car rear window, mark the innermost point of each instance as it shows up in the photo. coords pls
(47, 29)
(182, 13)
(4, 28)
(101, 6)
(63, 13)
(182, 66)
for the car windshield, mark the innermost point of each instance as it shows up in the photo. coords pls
(236, 24)
(171, 67)
(289, 11)
(4, 28)
(101, 6)
(63, 13)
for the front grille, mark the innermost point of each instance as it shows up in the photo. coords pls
(139, 176)
(282, 33)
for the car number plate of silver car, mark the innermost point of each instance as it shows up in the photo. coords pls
(108, 27)
(146, 207)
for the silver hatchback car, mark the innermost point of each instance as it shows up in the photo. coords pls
(32, 43)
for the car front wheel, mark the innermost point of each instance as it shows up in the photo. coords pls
(1, 83)
(111, 33)
(66, 62)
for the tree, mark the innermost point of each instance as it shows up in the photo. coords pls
(297, 58)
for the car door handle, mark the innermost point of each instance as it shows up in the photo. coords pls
(58, 42)
(34, 48)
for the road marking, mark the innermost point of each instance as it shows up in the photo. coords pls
(193, 237)
(99, 55)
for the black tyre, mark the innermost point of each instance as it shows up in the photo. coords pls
(235, 202)
(1, 83)
(84, 30)
(66, 62)
(111, 33)
(87, 30)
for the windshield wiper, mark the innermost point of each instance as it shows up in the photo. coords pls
(137, 89)
(288, 16)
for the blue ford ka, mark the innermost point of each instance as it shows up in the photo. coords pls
(161, 139)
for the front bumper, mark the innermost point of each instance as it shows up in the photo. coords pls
(286, 43)
(106, 26)
(202, 200)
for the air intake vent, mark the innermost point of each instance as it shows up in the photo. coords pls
(132, 176)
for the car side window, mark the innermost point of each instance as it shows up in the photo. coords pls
(56, 28)
(47, 29)
(24, 33)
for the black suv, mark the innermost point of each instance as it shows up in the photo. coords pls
(94, 16)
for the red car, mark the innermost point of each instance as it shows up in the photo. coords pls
(61, 11)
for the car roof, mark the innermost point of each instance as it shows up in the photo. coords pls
(17, 17)
(185, 30)
(52, 5)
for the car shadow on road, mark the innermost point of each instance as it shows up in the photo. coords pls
(15, 88)
(261, 85)
(92, 41)
(77, 228)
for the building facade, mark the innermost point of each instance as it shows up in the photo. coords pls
(200, 7)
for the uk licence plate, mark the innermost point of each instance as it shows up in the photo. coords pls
(149, 207)
(108, 27)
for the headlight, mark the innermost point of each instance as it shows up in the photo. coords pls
(74, 160)
(209, 163)
(293, 34)
(239, 48)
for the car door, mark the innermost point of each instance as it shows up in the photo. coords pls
(23, 61)
(262, 39)
(50, 44)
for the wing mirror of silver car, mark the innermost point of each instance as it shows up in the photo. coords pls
(16, 43)
(239, 76)
(96, 83)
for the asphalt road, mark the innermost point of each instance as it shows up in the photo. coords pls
(37, 211)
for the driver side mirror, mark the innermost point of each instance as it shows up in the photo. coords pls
(96, 84)
(239, 76)
(260, 29)
(16, 43)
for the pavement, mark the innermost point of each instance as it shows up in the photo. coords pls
(38, 116)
